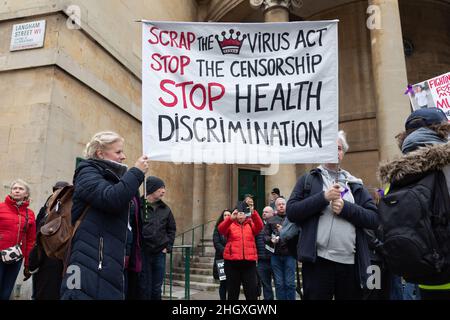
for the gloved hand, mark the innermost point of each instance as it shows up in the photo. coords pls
(26, 274)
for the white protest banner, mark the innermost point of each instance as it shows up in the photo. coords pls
(432, 93)
(240, 93)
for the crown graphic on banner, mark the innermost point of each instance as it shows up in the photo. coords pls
(230, 44)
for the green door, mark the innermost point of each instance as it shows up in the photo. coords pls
(252, 182)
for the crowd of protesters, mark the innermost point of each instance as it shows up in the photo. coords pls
(329, 226)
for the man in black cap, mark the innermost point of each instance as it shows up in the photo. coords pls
(274, 195)
(158, 236)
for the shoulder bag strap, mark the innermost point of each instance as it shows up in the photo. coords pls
(26, 225)
(69, 248)
(18, 231)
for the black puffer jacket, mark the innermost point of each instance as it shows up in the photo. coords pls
(263, 253)
(98, 247)
(219, 244)
(158, 229)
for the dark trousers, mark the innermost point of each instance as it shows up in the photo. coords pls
(326, 279)
(223, 290)
(47, 281)
(265, 275)
(8, 276)
(132, 285)
(396, 291)
(152, 276)
(241, 271)
(435, 294)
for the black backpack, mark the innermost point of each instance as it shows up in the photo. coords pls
(415, 218)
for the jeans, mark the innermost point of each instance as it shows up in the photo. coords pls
(265, 275)
(152, 276)
(396, 288)
(409, 291)
(284, 276)
(8, 276)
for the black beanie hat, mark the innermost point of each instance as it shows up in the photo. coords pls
(152, 184)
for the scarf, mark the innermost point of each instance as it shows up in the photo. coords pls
(118, 168)
(420, 138)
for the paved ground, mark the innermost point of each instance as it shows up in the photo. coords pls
(178, 294)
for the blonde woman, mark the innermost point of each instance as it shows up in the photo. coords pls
(104, 188)
(17, 227)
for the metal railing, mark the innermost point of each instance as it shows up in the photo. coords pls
(192, 230)
(187, 271)
(187, 252)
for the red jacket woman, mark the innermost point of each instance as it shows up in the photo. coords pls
(241, 243)
(14, 212)
(240, 251)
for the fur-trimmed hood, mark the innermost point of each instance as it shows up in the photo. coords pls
(434, 157)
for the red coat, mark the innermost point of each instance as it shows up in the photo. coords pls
(9, 224)
(241, 243)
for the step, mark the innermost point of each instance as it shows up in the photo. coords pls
(204, 250)
(209, 254)
(205, 254)
(198, 285)
(197, 265)
(198, 252)
(209, 260)
(207, 272)
(177, 293)
(192, 277)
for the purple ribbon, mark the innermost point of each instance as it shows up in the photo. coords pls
(381, 192)
(344, 192)
(409, 89)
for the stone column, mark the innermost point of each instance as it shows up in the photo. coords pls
(278, 11)
(198, 201)
(390, 77)
(284, 179)
(198, 195)
(217, 193)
